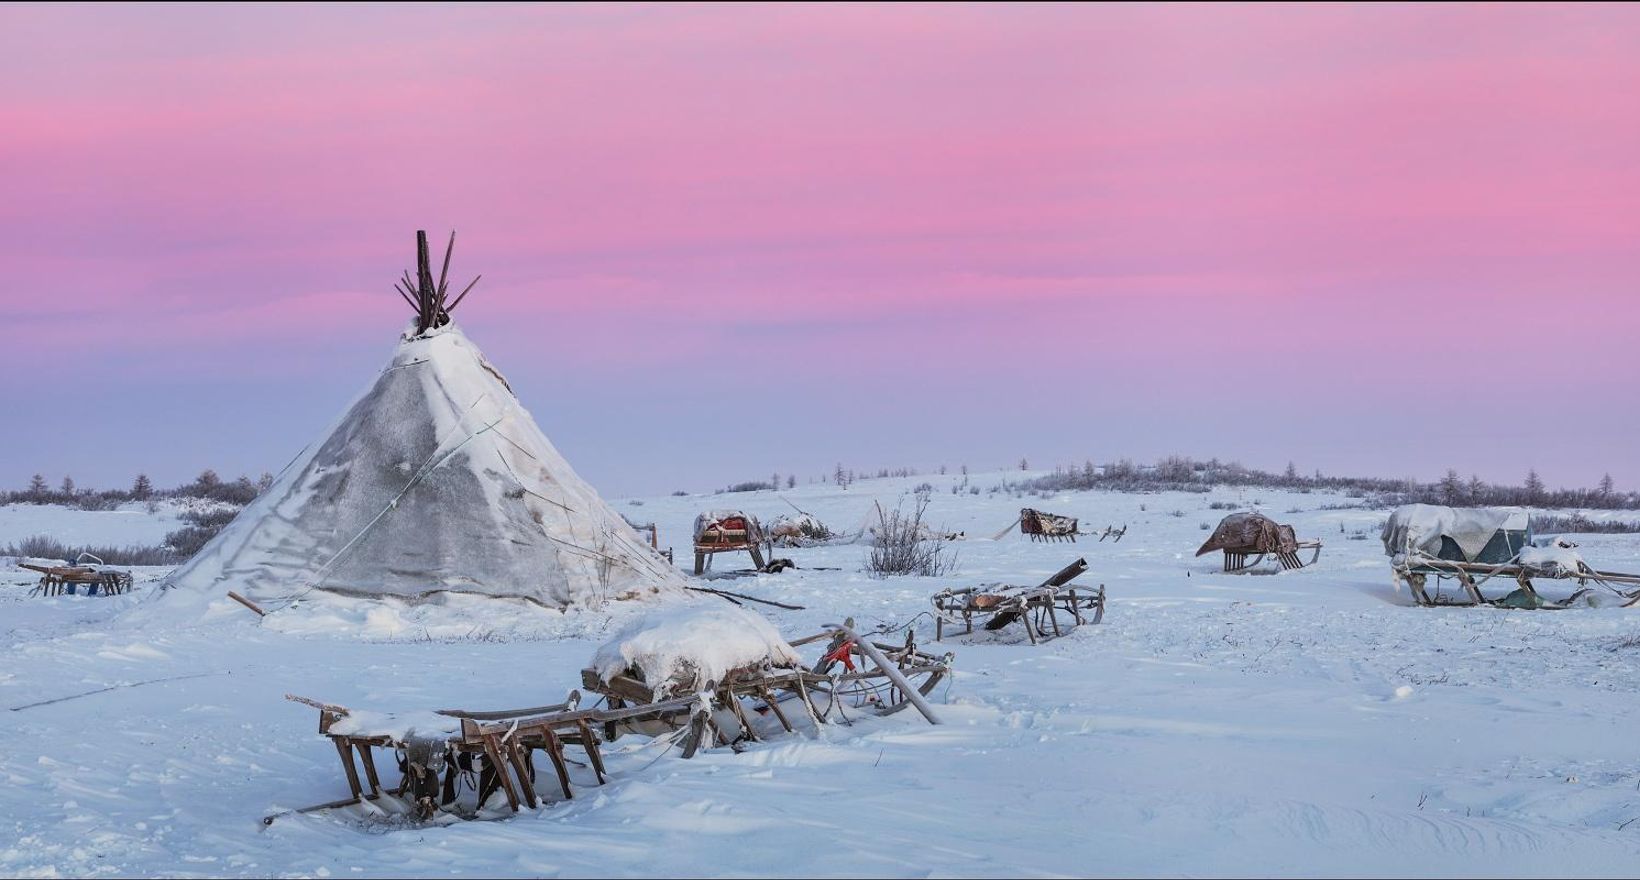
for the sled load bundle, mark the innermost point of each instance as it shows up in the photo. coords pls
(1473, 546)
(1241, 535)
(58, 579)
(435, 480)
(1036, 608)
(802, 530)
(716, 675)
(1047, 526)
(724, 531)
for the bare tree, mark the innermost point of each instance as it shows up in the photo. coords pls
(1534, 487)
(904, 544)
(1451, 487)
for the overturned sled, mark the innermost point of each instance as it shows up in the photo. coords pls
(725, 531)
(1241, 535)
(1037, 608)
(1475, 547)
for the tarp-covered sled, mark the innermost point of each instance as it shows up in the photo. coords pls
(1241, 535)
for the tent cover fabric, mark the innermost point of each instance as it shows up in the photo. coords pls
(1421, 528)
(435, 480)
(1251, 533)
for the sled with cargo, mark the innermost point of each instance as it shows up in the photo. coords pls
(852, 675)
(1243, 535)
(1490, 558)
(667, 681)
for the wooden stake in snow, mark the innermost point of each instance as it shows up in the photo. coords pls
(247, 603)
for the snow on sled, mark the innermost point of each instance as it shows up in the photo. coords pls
(724, 531)
(1474, 546)
(740, 681)
(1241, 535)
(1036, 608)
(58, 579)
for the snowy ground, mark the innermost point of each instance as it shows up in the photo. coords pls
(1300, 723)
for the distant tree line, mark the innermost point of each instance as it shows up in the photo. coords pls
(207, 486)
(1181, 473)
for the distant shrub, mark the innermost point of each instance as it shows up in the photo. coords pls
(50, 548)
(750, 486)
(1222, 505)
(902, 545)
(1577, 523)
(187, 541)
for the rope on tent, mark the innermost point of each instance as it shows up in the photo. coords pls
(427, 467)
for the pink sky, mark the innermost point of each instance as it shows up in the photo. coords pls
(878, 220)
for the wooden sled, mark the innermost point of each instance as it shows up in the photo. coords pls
(1472, 576)
(483, 752)
(1037, 608)
(1047, 526)
(1113, 532)
(1236, 560)
(852, 674)
(727, 534)
(55, 580)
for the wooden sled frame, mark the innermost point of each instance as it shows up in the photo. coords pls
(833, 686)
(1235, 561)
(57, 579)
(1036, 607)
(719, 540)
(1417, 570)
(499, 746)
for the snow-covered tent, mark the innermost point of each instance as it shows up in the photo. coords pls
(1475, 534)
(434, 480)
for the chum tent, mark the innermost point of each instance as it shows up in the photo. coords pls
(435, 480)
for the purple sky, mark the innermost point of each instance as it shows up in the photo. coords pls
(721, 241)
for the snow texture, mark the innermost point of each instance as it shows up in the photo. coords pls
(399, 726)
(436, 480)
(1305, 723)
(692, 647)
(1557, 554)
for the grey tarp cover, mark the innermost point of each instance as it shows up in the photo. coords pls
(1420, 527)
(435, 480)
(1251, 533)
